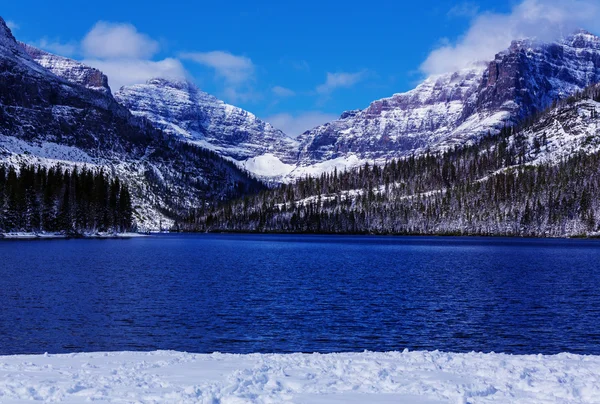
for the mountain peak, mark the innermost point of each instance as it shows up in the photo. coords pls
(179, 108)
(176, 83)
(583, 39)
(582, 31)
(580, 38)
(454, 108)
(6, 37)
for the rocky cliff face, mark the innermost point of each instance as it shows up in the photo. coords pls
(456, 108)
(533, 75)
(69, 69)
(59, 116)
(181, 109)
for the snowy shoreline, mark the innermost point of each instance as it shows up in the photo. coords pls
(394, 377)
(54, 236)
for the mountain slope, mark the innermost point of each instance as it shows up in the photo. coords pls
(181, 109)
(46, 119)
(456, 108)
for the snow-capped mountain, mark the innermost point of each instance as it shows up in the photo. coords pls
(179, 108)
(64, 114)
(455, 108)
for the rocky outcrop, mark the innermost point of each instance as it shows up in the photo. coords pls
(533, 75)
(399, 124)
(69, 69)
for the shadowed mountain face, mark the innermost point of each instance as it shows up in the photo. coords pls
(54, 110)
(38, 105)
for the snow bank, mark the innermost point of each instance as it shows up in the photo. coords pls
(30, 236)
(46, 235)
(267, 165)
(407, 377)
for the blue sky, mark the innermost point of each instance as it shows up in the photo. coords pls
(296, 63)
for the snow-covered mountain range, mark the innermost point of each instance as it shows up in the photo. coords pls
(458, 107)
(54, 109)
(442, 112)
(179, 108)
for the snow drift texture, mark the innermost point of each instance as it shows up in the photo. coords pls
(408, 377)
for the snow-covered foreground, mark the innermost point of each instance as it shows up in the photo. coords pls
(407, 377)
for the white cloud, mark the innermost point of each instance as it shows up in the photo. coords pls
(300, 65)
(123, 72)
(12, 25)
(232, 68)
(283, 92)
(295, 125)
(340, 80)
(109, 40)
(492, 32)
(126, 55)
(237, 73)
(57, 47)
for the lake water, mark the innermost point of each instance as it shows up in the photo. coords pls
(248, 293)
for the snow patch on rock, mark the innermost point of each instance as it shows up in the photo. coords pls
(267, 165)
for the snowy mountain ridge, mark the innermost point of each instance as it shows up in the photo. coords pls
(457, 108)
(181, 109)
(85, 124)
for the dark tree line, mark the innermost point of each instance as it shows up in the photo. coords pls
(56, 199)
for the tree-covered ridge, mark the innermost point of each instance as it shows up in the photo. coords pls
(501, 185)
(57, 199)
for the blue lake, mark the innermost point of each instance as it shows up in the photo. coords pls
(251, 293)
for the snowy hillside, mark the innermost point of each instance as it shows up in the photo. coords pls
(181, 109)
(538, 179)
(562, 133)
(407, 377)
